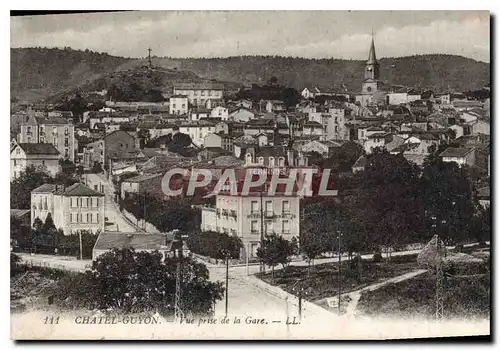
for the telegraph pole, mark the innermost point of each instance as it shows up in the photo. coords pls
(227, 279)
(439, 283)
(178, 314)
(262, 268)
(81, 245)
(340, 272)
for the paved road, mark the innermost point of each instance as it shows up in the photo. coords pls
(112, 212)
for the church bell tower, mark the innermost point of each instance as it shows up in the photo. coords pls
(372, 72)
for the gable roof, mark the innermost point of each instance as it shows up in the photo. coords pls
(81, 190)
(38, 148)
(138, 241)
(142, 178)
(456, 151)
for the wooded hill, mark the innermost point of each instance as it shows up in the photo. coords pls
(41, 72)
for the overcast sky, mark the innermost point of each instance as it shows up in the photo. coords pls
(312, 34)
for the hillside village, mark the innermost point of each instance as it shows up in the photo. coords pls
(102, 169)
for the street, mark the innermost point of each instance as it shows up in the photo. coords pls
(116, 220)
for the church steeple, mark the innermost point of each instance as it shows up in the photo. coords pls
(372, 58)
(371, 65)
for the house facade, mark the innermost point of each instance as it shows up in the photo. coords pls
(43, 156)
(178, 105)
(247, 217)
(73, 209)
(199, 94)
(58, 131)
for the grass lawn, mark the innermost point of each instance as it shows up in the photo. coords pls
(321, 281)
(464, 297)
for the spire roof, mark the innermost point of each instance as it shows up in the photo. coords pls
(372, 58)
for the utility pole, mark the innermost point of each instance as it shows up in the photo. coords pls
(262, 268)
(178, 314)
(81, 245)
(227, 279)
(439, 283)
(340, 272)
(144, 213)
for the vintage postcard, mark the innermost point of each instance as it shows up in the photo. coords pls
(250, 175)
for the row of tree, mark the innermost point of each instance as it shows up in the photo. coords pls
(393, 203)
(164, 215)
(45, 238)
(216, 245)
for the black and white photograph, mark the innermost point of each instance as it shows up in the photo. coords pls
(250, 175)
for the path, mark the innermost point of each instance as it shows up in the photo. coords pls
(354, 296)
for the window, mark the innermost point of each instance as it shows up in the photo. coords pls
(269, 226)
(281, 161)
(89, 217)
(66, 131)
(74, 202)
(254, 207)
(253, 249)
(285, 207)
(261, 160)
(254, 226)
(18, 151)
(286, 226)
(66, 153)
(54, 129)
(271, 161)
(97, 217)
(269, 208)
(66, 142)
(73, 220)
(43, 162)
(28, 130)
(15, 165)
(336, 128)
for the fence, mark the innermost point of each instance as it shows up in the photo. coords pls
(51, 265)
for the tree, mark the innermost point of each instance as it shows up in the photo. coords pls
(448, 199)
(276, 250)
(67, 166)
(385, 200)
(481, 225)
(311, 245)
(49, 223)
(141, 281)
(179, 143)
(290, 97)
(97, 168)
(21, 187)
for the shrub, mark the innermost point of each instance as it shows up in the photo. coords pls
(377, 257)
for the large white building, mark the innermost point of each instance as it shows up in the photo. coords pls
(247, 217)
(73, 209)
(199, 94)
(178, 105)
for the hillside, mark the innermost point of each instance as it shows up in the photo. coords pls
(436, 72)
(39, 73)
